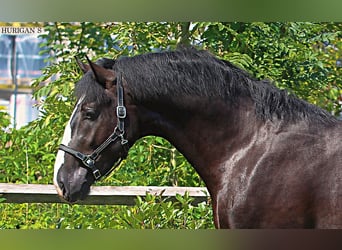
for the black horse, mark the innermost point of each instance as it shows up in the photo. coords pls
(268, 159)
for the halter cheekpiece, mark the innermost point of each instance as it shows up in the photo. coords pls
(118, 135)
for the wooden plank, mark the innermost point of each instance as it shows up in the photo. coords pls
(99, 195)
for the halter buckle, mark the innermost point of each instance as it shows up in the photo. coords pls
(89, 162)
(123, 141)
(96, 174)
(121, 112)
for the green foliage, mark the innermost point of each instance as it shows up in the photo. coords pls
(154, 162)
(293, 55)
(151, 212)
(154, 212)
(300, 57)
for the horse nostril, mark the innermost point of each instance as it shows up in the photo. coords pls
(65, 193)
(62, 187)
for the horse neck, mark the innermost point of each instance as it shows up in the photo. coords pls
(201, 131)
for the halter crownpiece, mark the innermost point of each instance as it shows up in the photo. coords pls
(88, 160)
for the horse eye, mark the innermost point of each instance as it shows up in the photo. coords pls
(90, 114)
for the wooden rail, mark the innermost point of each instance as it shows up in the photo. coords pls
(99, 195)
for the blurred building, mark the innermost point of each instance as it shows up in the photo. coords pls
(20, 63)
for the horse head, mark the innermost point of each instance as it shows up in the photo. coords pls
(98, 134)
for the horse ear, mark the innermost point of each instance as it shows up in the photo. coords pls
(103, 76)
(84, 67)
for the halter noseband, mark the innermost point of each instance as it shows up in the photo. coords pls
(88, 160)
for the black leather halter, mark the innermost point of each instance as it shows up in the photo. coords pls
(118, 135)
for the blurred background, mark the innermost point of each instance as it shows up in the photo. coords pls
(21, 61)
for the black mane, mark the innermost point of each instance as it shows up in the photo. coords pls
(173, 75)
(189, 72)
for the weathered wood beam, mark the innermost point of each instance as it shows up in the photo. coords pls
(99, 195)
